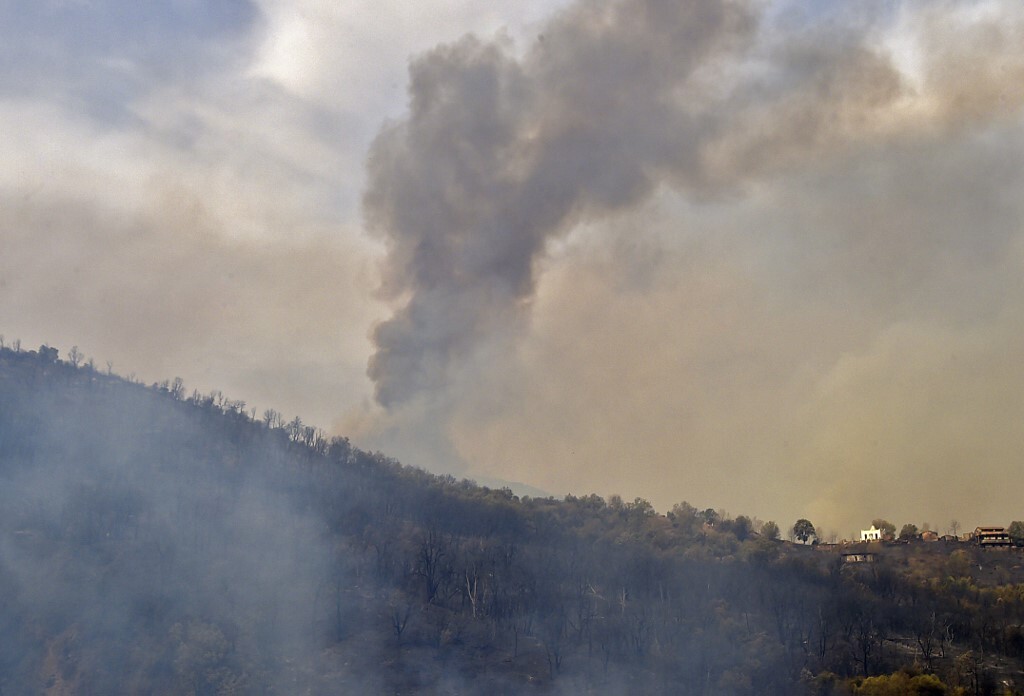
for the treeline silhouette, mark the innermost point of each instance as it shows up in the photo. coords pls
(154, 542)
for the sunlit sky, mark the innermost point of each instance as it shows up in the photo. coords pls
(765, 257)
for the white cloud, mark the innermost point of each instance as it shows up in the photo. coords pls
(354, 55)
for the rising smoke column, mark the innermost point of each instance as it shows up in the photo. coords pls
(498, 155)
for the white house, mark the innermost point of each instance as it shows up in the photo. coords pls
(872, 534)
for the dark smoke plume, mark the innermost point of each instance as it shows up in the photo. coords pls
(499, 154)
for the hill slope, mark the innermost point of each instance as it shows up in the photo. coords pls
(153, 543)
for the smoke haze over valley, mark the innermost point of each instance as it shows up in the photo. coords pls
(761, 256)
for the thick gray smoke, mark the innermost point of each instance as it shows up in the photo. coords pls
(500, 153)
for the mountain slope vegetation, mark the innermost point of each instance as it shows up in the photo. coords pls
(153, 542)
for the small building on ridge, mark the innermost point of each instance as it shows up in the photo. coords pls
(872, 534)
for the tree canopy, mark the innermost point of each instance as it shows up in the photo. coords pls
(887, 528)
(154, 542)
(1016, 531)
(803, 530)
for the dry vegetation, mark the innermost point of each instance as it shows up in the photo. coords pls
(152, 542)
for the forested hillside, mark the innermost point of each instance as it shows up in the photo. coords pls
(156, 542)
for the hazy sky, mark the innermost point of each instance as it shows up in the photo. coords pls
(765, 256)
